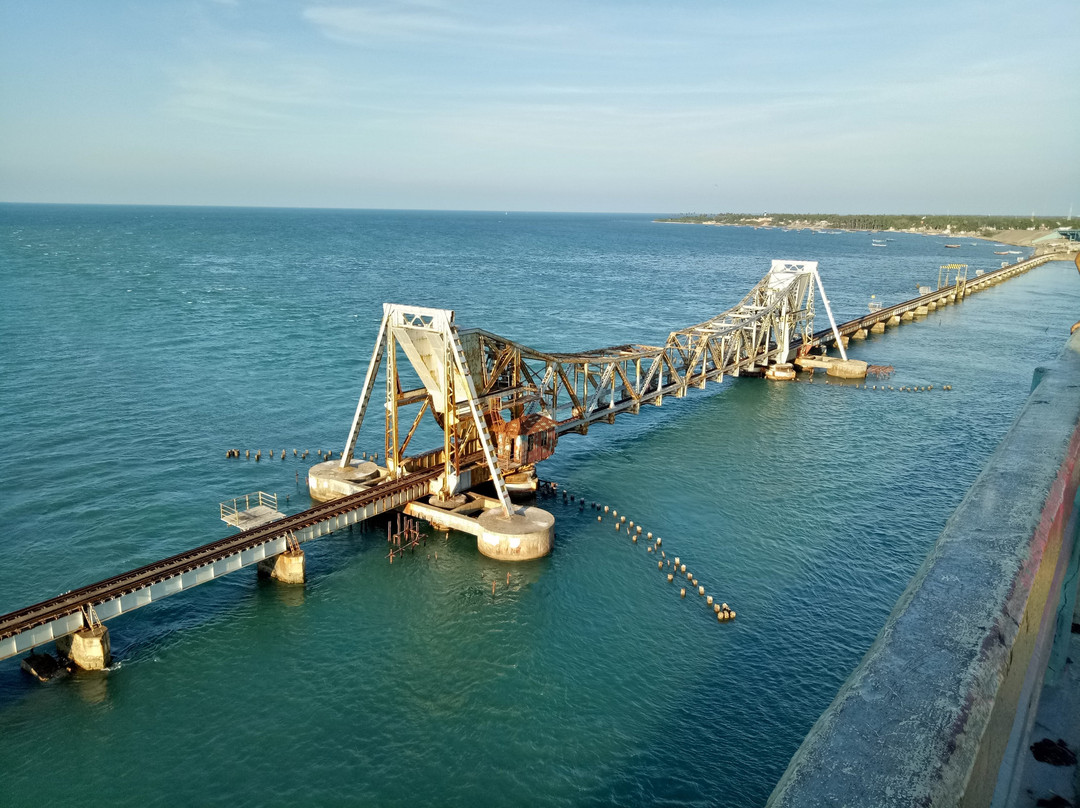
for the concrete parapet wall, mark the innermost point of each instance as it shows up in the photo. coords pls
(934, 712)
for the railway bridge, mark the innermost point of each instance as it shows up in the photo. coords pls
(501, 407)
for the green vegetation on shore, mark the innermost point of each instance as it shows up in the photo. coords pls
(915, 223)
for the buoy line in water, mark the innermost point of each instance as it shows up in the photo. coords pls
(665, 564)
(925, 388)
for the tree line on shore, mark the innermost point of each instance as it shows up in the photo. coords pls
(878, 221)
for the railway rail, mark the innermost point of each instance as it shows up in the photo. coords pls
(74, 601)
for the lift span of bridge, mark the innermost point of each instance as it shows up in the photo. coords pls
(501, 407)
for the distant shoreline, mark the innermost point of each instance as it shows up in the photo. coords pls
(1013, 238)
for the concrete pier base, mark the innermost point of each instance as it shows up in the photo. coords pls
(922, 311)
(834, 366)
(88, 649)
(860, 334)
(523, 536)
(907, 316)
(288, 567)
(931, 306)
(529, 533)
(878, 327)
(780, 372)
(894, 320)
(847, 369)
(328, 481)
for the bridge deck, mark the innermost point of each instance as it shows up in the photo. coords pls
(976, 284)
(23, 629)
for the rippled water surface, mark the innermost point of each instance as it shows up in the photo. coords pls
(138, 344)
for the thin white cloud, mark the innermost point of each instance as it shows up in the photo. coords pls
(409, 20)
(222, 97)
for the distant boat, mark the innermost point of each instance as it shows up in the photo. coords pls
(1014, 252)
(953, 246)
(1003, 252)
(876, 244)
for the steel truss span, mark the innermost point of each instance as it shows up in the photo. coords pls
(494, 394)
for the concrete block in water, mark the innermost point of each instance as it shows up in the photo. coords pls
(847, 369)
(287, 567)
(89, 649)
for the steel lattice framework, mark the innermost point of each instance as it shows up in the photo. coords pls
(472, 377)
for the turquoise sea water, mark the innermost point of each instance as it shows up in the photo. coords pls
(138, 344)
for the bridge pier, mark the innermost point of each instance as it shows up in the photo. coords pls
(907, 316)
(88, 649)
(859, 334)
(922, 311)
(287, 567)
(878, 327)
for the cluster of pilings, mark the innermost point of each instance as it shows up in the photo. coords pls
(257, 454)
(673, 568)
(407, 536)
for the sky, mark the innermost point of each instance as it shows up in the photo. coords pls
(664, 106)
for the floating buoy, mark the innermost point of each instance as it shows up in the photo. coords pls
(650, 549)
(649, 536)
(682, 568)
(658, 541)
(709, 600)
(732, 613)
(599, 519)
(613, 513)
(635, 539)
(639, 529)
(689, 576)
(720, 616)
(724, 606)
(716, 608)
(670, 578)
(659, 565)
(622, 519)
(247, 454)
(694, 582)
(631, 523)
(701, 590)
(682, 592)
(294, 452)
(676, 557)
(606, 509)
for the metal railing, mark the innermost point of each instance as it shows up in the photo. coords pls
(231, 510)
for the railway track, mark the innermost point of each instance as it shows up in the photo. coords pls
(94, 594)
